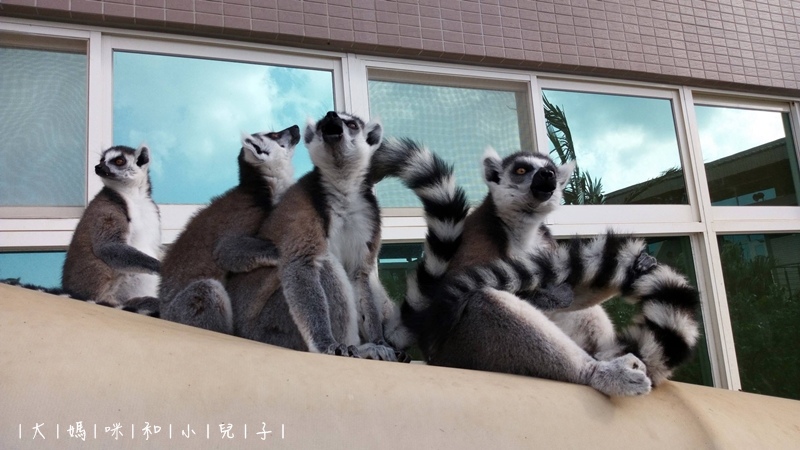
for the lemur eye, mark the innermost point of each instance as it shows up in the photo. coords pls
(119, 161)
(352, 125)
(273, 136)
(521, 171)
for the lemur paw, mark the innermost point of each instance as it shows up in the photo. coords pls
(380, 352)
(336, 349)
(644, 263)
(622, 376)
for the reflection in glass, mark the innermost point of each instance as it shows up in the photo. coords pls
(39, 268)
(762, 283)
(43, 109)
(192, 113)
(749, 156)
(626, 147)
(457, 123)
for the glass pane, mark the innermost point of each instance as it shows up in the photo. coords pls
(457, 123)
(762, 282)
(192, 113)
(39, 268)
(675, 251)
(626, 148)
(749, 156)
(43, 110)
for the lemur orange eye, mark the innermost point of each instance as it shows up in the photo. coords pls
(119, 161)
(521, 171)
(273, 136)
(352, 125)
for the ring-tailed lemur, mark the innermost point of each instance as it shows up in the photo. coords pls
(445, 207)
(524, 188)
(325, 297)
(221, 237)
(113, 258)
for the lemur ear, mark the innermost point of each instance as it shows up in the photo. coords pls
(142, 155)
(311, 129)
(492, 166)
(374, 133)
(565, 171)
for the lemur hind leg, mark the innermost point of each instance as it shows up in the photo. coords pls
(204, 304)
(497, 331)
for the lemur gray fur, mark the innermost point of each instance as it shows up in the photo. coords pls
(325, 297)
(113, 258)
(471, 321)
(221, 237)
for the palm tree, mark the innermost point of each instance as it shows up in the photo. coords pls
(582, 189)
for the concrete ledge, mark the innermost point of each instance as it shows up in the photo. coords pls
(64, 361)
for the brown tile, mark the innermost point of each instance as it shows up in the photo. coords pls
(86, 7)
(181, 5)
(269, 14)
(315, 20)
(177, 18)
(340, 23)
(149, 3)
(235, 10)
(116, 10)
(209, 7)
(264, 26)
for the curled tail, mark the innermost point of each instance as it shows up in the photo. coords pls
(147, 306)
(445, 208)
(665, 328)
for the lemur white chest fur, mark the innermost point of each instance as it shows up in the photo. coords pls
(144, 233)
(350, 228)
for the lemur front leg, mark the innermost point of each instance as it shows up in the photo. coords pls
(244, 253)
(308, 305)
(125, 258)
(370, 300)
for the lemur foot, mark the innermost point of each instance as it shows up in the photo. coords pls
(622, 376)
(644, 263)
(379, 351)
(340, 350)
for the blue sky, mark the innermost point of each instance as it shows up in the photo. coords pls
(191, 113)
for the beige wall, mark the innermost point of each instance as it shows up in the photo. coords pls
(63, 361)
(732, 44)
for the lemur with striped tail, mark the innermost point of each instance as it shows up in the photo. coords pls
(220, 238)
(113, 257)
(325, 296)
(472, 325)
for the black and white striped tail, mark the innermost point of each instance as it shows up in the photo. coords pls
(445, 205)
(665, 328)
(147, 306)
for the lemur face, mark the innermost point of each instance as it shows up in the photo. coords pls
(121, 163)
(527, 182)
(273, 151)
(342, 140)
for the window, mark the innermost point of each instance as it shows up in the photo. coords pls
(625, 147)
(43, 111)
(39, 268)
(762, 281)
(749, 156)
(192, 113)
(457, 122)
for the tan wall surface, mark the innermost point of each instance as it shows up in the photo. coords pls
(64, 361)
(752, 45)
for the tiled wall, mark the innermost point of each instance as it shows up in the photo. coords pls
(739, 44)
